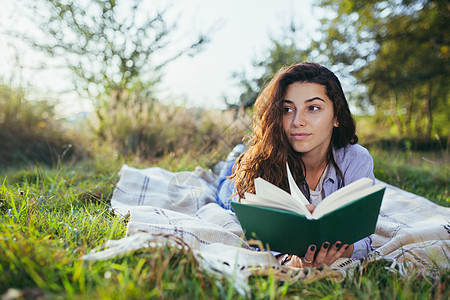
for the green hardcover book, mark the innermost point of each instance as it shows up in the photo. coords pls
(282, 223)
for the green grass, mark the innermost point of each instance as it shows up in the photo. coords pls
(421, 173)
(50, 217)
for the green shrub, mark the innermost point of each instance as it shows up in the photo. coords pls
(29, 132)
(156, 130)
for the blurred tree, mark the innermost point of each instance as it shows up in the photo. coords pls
(28, 130)
(283, 51)
(399, 50)
(115, 49)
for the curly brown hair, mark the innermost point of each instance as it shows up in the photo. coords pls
(268, 146)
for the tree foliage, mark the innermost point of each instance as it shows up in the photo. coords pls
(398, 49)
(283, 51)
(115, 49)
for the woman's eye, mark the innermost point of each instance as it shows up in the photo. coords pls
(313, 108)
(287, 109)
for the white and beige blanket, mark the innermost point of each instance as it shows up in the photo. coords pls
(179, 209)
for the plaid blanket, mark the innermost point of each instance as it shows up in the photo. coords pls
(180, 209)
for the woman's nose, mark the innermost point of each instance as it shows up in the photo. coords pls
(299, 119)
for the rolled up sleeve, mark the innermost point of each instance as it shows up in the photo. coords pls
(362, 247)
(358, 164)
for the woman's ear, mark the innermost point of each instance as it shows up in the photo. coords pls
(336, 123)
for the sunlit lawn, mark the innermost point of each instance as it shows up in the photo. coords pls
(50, 217)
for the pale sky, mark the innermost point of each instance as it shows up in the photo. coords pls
(246, 27)
(243, 31)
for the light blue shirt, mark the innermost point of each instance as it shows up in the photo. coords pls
(354, 161)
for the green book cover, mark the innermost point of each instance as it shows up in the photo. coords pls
(292, 233)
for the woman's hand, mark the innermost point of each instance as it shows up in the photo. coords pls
(310, 207)
(327, 255)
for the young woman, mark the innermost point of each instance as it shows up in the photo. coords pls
(302, 117)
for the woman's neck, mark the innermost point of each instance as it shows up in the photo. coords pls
(314, 170)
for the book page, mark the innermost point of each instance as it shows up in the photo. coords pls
(253, 199)
(348, 199)
(355, 186)
(293, 187)
(343, 199)
(266, 190)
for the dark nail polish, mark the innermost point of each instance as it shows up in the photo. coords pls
(325, 245)
(346, 247)
(312, 247)
(338, 244)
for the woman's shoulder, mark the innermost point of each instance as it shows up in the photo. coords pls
(354, 161)
(351, 152)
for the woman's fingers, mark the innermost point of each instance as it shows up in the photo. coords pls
(322, 255)
(309, 256)
(336, 251)
(327, 254)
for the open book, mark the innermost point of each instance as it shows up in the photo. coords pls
(282, 220)
(269, 195)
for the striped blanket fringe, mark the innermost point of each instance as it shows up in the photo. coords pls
(179, 210)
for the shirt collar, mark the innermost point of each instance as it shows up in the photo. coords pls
(332, 172)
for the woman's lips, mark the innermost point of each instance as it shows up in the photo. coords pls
(300, 135)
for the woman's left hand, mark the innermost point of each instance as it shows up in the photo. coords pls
(327, 255)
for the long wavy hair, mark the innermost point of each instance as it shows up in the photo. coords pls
(268, 146)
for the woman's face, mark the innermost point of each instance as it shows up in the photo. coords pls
(308, 119)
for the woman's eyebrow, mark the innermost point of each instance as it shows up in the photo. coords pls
(314, 98)
(307, 100)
